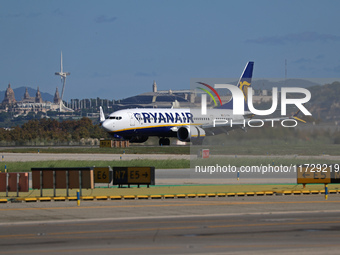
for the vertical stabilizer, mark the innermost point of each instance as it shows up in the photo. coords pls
(243, 84)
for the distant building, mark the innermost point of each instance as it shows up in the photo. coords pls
(38, 98)
(154, 87)
(9, 96)
(27, 98)
(57, 98)
(28, 103)
(157, 99)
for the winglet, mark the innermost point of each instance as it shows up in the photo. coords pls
(296, 118)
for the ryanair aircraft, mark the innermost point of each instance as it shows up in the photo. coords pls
(188, 125)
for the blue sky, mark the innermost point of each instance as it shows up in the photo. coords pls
(115, 49)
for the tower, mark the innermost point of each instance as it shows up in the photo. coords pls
(27, 98)
(38, 98)
(56, 99)
(62, 75)
(9, 96)
(26, 95)
(154, 86)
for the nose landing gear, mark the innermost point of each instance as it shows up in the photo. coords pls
(164, 141)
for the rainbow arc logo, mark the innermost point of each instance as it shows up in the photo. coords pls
(209, 93)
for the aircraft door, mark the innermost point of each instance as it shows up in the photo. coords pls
(132, 119)
(211, 119)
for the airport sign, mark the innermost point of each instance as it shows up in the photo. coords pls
(134, 175)
(102, 175)
(318, 173)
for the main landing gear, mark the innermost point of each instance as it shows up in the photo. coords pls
(164, 141)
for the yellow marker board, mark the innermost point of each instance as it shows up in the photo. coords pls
(134, 175)
(139, 175)
(318, 173)
(105, 144)
(102, 175)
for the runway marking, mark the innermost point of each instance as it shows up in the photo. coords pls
(274, 224)
(149, 222)
(97, 232)
(166, 228)
(135, 218)
(290, 246)
(166, 205)
(90, 250)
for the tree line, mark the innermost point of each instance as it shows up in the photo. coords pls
(53, 130)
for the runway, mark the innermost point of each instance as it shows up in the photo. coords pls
(304, 224)
(258, 225)
(176, 176)
(20, 157)
(23, 157)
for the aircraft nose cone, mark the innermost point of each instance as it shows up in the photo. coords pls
(106, 125)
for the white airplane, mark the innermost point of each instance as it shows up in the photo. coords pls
(188, 125)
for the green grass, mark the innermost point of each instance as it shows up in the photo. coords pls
(258, 161)
(158, 164)
(166, 164)
(97, 150)
(262, 148)
(257, 147)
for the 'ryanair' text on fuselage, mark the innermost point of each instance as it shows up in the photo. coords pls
(164, 117)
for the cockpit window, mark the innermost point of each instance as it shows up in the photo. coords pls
(115, 117)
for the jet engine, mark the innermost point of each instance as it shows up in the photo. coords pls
(191, 134)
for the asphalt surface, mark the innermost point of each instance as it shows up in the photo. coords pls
(177, 176)
(168, 176)
(17, 157)
(21, 157)
(257, 225)
(190, 176)
(304, 224)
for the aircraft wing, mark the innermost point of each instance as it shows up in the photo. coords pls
(221, 126)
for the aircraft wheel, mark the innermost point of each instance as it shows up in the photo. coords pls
(164, 141)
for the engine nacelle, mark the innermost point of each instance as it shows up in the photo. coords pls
(190, 134)
(138, 139)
